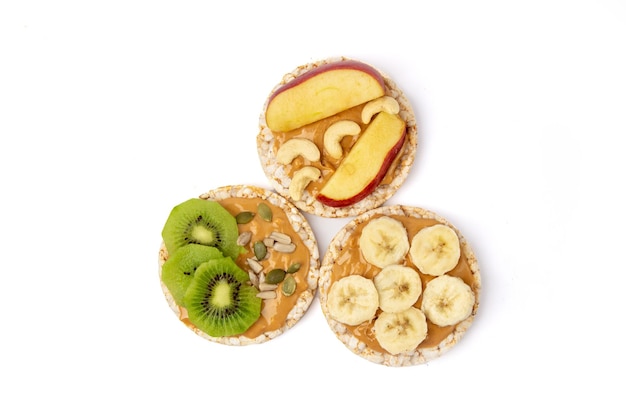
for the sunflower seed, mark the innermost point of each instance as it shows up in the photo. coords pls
(267, 287)
(284, 247)
(254, 265)
(244, 238)
(280, 237)
(254, 279)
(266, 295)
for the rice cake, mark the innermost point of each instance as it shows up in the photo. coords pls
(343, 258)
(280, 175)
(283, 312)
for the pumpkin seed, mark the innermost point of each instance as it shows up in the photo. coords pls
(265, 212)
(295, 267)
(275, 276)
(289, 285)
(244, 217)
(259, 250)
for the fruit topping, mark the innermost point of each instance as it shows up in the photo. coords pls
(322, 92)
(202, 222)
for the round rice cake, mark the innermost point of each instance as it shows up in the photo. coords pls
(280, 313)
(280, 175)
(344, 258)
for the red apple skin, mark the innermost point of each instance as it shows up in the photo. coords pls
(347, 64)
(369, 188)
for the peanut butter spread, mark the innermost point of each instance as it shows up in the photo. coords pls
(327, 164)
(350, 261)
(274, 311)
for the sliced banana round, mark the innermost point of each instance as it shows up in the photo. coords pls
(398, 288)
(447, 300)
(401, 332)
(352, 300)
(384, 241)
(435, 250)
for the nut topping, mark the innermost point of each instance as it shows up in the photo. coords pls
(280, 237)
(266, 295)
(244, 238)
(254, 265)
(275, 276)
(284, 247)
(265, 212)
(289, 285)
(335, 133)
(386, 103)
(260, 250)
(244, 217)
(267, 287)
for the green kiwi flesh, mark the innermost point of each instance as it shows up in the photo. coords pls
(203, 222)
(220, 300)
(179, 269)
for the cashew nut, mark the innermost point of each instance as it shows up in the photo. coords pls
(301, 179)
(335, 133)
(386, 103)
(297, 147)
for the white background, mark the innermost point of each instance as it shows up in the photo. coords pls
(113, 112)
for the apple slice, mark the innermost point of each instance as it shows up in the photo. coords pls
(365, 166)
(322, 92)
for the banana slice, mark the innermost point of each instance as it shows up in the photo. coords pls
(401, 332)
(384, 241)
(435, 250)
(447, 300)
(398, 288)
(352, 300)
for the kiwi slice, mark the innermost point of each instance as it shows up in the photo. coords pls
(220, 300)
(203, 222)
(180, 267)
